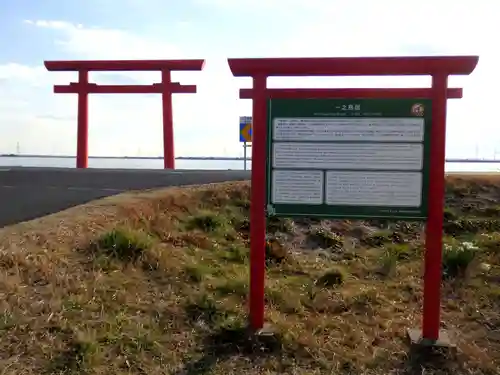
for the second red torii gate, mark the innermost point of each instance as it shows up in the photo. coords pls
(83, 87)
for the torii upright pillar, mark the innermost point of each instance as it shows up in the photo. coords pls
(82, 88)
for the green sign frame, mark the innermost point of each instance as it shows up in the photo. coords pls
(348, 109)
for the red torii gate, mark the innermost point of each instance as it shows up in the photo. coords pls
(439, 67)
(83, 87)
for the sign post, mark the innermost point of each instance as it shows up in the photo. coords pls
(293, 145)
(245, 136)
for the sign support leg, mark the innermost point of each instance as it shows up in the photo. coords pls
(434, 227)
(431, 333)
(82, 152)
(257, 208)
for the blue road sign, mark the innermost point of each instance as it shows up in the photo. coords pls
(246, 129)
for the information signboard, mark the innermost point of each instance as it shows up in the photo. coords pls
(348, 158)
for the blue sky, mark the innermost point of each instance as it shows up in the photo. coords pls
(207, 123)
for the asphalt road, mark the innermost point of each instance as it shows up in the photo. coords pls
(28, 193)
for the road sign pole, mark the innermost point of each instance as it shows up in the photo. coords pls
(244, 156)
(434, 227)
(257, 209)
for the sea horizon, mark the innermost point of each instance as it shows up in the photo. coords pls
(41, 156)
(124, 162)
(194, 162)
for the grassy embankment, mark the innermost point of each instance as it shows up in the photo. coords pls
(156, 283)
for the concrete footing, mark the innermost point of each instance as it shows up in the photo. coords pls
(426, 349)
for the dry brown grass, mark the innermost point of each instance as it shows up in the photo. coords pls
(156, 283)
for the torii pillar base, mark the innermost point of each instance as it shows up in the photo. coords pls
(424, 350)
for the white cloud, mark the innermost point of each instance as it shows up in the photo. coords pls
(51, 24)
(283, 6)
(21, 72)
(119, 124)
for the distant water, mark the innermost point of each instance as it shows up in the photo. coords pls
(118, 163)
(131, 163)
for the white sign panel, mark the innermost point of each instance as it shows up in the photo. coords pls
(349, 129)
(374, 188)
(305, 187)
(385, 156)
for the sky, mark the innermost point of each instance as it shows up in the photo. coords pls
(206, 124)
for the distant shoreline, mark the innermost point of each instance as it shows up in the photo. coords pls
(217, 158)
(124, 157)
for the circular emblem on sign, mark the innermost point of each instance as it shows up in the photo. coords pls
(417, 109)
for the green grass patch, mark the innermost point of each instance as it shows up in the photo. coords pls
(123, 244)
(206, 221)
(198, 272)
(331, 278)
(457, 259)
(489, 242)
(208, 309)
(465, 226)
(235, 253)
(325, 238)
(77, 358)
(392, 255)
(278, 224)
(233, 286)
